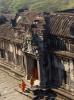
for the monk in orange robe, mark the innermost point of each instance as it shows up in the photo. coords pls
(23, 86)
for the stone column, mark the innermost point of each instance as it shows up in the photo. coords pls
(6, 55)
(71, 75)
(68, 80)
(43, 74)
(38, 67)
(25, 64)
(0, 53)
(59, 75)
(69, 46)
(49, 70)
(14, 51)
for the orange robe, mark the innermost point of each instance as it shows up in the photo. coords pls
(23, 86)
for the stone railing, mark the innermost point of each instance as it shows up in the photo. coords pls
(11, 66)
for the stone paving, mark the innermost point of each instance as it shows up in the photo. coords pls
(8, 85)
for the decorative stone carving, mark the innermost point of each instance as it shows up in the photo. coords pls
(28, 41)
(29, 46)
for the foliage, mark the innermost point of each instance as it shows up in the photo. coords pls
(42, 5)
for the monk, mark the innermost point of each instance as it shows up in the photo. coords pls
(23, 86)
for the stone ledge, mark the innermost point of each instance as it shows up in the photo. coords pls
(63, 93)
(7, 66)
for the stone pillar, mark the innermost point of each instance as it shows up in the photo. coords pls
(59, 75)
(14, 51)
(69, 46)
(25, 64)
(0, 53)
(71, 75)
(6, 55)
(49, 70)
(38, 67)
(43, 77)
(68, 80)
(66, 72)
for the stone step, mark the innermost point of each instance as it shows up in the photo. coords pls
(29, 95)
(7, 88)
(11, 67)
(64, 94)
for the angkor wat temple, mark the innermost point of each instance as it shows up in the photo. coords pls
(44, 41)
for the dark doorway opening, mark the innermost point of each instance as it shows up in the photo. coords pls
(65, 77)
(35, 70)
(2, 53)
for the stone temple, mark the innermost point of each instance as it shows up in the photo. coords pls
(43, 41)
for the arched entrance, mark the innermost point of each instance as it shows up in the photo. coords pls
(31, 68)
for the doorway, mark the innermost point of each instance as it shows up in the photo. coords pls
(31, 68)
(2, 53)
(35, 70)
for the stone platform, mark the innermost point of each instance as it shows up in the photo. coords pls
(7, 88)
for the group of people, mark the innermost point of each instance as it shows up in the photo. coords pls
(23, 85)
(34, 77)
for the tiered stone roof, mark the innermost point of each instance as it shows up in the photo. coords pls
(61, 23)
